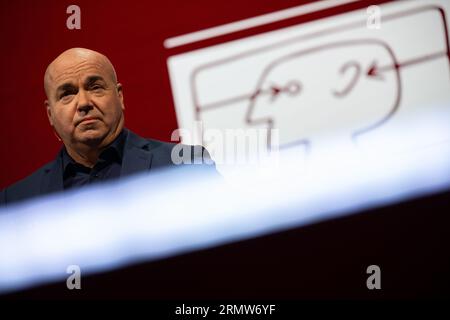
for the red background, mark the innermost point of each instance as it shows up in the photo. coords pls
(130, 33)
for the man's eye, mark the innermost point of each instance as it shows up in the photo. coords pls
(64, 95)
(96, 87)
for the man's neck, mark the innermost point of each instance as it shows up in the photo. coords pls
(88, 155)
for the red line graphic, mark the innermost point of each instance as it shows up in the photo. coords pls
(374, 71)
(377, 72)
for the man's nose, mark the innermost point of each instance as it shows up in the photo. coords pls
(84, 102)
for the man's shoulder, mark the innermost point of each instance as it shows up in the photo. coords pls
(173, 152)
(159, 145)
(161, 155)
(27, 187)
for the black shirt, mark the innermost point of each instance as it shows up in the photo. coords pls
(108, 166)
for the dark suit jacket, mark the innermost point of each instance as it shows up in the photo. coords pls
(139, 155)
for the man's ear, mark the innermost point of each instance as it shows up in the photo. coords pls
(120, 93)
(49, 112)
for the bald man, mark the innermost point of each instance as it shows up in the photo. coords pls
(85, 108)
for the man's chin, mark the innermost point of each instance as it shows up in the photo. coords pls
(91, 136)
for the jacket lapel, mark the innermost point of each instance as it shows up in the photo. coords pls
(136, 157)
(53, 177)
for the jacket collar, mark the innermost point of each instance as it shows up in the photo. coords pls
(137, 157)
(53, 176)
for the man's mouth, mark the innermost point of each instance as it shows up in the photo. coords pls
(88, 120)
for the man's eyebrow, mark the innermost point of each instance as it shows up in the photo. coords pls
(92, 79)
(89, 81)
(64, 87)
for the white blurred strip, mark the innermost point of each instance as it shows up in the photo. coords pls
(252, 22)
(150, 217)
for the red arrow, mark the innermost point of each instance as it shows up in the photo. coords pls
(376, 72)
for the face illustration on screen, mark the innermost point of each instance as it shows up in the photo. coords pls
(324, 88)
(328, 86)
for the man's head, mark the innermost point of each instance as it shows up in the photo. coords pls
(84, 101)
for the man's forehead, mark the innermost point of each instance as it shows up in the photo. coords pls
(75, 62)
(75, 65)
(63, 72)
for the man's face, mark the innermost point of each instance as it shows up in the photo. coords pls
(85, 105)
